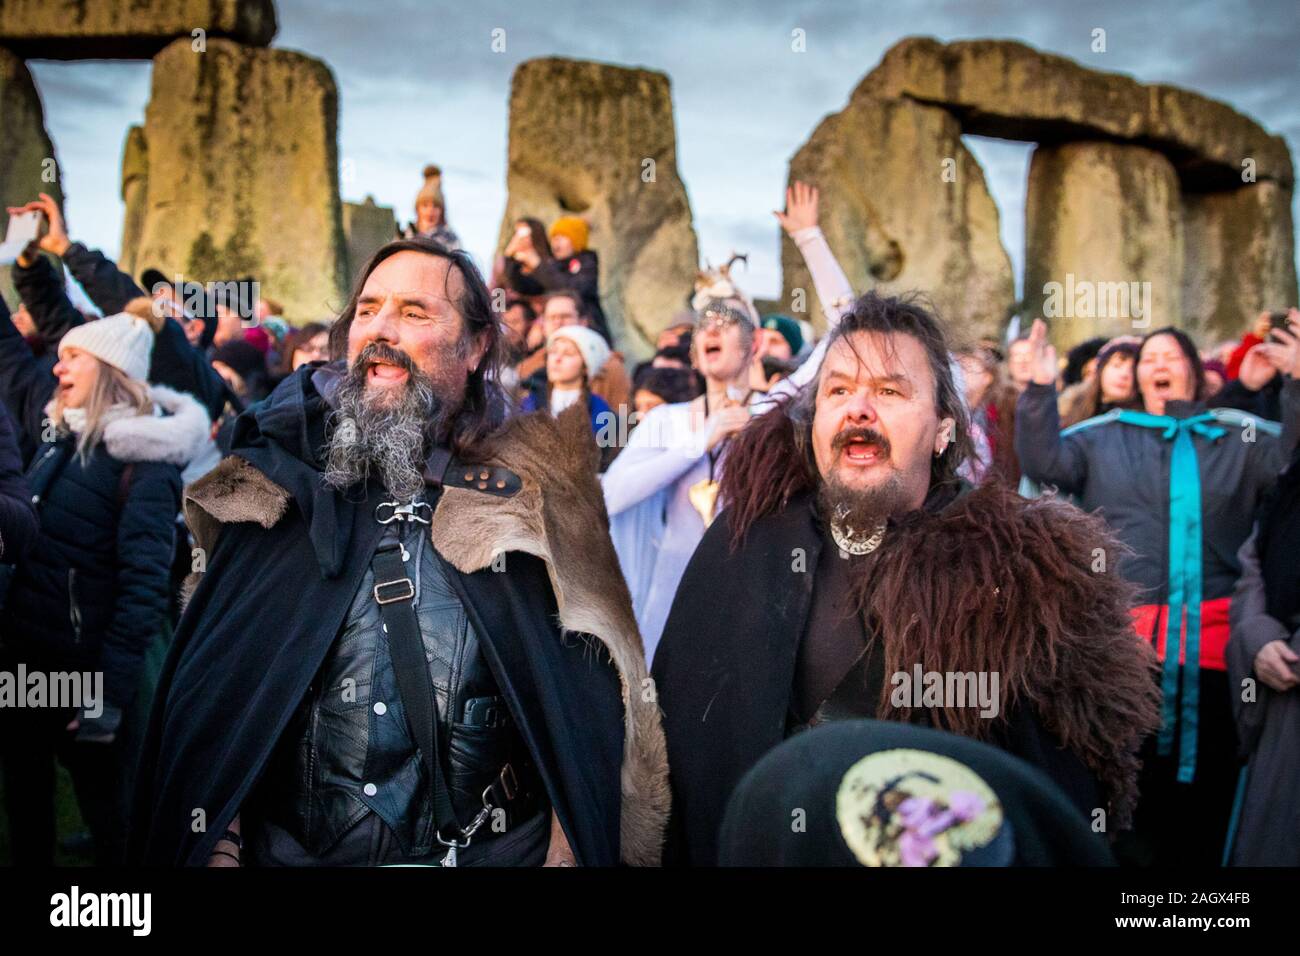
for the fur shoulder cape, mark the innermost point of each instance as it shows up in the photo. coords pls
(1027, 589)
(989, 583)
(559, 517)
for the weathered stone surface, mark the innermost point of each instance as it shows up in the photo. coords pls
(895, 222)
(243, 173)
(1240, 257)
(127, 29)
(135, 195)
(598, 140)
(366, 227)
(1103, 236)
(27, 161)
(1010, 90)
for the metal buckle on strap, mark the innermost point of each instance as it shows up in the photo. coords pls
(403, 512)
(508, 782)
(406, 595)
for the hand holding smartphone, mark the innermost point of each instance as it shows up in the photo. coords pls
(24, 229)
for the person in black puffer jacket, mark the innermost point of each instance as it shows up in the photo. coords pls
(18, 525)
(92, 593)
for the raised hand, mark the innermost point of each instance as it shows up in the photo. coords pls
(801, 202)
(56, 240)
(725, 422)
(1043, 354)
(1283, 351)
(1257, 369)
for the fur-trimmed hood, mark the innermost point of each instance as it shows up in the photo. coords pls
(559, 517)
(177, 433)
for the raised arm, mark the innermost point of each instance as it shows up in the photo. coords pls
(40, 285)
(1044, 455)
(833, 289)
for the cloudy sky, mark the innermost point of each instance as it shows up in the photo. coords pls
(419, 82)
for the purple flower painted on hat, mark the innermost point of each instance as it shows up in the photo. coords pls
(914, 811)
(966, 805)
(915, 849)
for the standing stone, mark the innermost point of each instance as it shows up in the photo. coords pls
(1010, 90)
(1103, 240)
(904, 207)
(27, 161)
(367, 227)
(135, 196)
(1240, 257)
(598, 141)
(130, 29)
(243, 173)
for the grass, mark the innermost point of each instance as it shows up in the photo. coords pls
(67, 821)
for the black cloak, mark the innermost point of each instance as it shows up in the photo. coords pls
(725, 667)
(275, 592)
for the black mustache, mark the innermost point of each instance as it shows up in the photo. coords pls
(869, 435)
(379, 352)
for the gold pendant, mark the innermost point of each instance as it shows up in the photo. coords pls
(704, 498)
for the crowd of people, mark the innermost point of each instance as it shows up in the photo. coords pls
(282, 546)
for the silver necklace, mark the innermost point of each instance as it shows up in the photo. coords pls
(849, 541)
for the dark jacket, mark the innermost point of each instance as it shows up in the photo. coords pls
(93, 591)
(18, 525)
(726, 666)
(1266, 608)
(174, 363)
(1265, 402)
(284, 547)
(1123, 471)
(578, 273)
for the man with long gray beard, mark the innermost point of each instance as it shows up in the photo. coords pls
(853, 575)
(409, 642)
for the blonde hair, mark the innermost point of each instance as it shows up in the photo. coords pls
(113, 388)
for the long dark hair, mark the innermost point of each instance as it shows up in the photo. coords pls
(541, 244)
(772, 458)
(484, 405)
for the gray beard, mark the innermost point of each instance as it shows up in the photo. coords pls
(861, 509)
(390, 438)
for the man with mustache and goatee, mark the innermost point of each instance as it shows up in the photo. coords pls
(409, 642)
(853, 575)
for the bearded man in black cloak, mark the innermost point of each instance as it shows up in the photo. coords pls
(411, 643)
(853, 574)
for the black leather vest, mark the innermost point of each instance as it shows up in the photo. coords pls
(348, 750)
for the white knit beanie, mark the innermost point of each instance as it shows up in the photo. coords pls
(121, 340)
(595, 353)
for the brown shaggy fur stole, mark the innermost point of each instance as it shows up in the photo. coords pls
(1026, 589)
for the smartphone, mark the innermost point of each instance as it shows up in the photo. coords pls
(1277, 320)
(24, 228)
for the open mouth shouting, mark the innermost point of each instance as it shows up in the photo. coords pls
(861, 447)
(384, 366)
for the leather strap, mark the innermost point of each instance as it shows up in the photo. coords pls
(395, 593)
